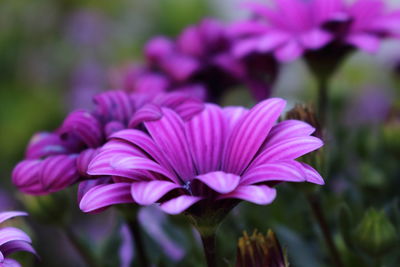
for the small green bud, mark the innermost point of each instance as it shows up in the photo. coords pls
(375, 234)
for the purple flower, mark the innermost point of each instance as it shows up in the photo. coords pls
(13, 239)
(59, 159)
(199, 60)
(287, 30)
(204, 163)
(369, 23)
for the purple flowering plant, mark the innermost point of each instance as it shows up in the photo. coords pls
(166, 136)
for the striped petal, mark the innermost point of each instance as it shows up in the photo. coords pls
(11, 214)
(114, 106)
(26, 173)
(288, 129)
(179, 204)
(44, 144)
(102, 196)
(220, 182)
(58, 172)
(147, 193)
(9, 234)
(312, 175)
(17, 245)
(169, 135)
(288, 149)
(205, 134)
(84, 159)
(234, 114)
(86, 185)
(288, 171)
(258, 194)
(149, 112)
(249, 134)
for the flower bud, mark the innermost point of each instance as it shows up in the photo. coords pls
(375, 234)
(306, 113)
(260, 250)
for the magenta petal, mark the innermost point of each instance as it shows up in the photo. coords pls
(234, 114)
(158, 48)
(147, 193)
(84, 159)
(145, 143)
(243, 28)
(180, 67)
(148, 112)
(169, 134)
(258, 194)
(114, 106)
(271, 40)
(367, 42)
(102, 196)
(85, 126)
(249, 134)
(289, 52)
(245, 47)
(9, 234)
(179, 204)
(58, 172)
(312, 175)
(288, 149)
(190, 42)
(315, 38)
(220, 182)
(288, 129)
(44, 144)
(26, 173)
(205, 133)
(86, 185)
(11, 214)
(290, 171)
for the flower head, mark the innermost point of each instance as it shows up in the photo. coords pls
(59, 159)
(12, 239)
(209, 162)
(287, 30)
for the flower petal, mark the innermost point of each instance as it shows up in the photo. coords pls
(86, 185)
(11, 214)
(315, 38)
(147, 193)
(312, 175)
(102, 196)
(220, 182)
(169, 135)
(364, 41)
(9, 234)
(205, 134)
(179, 204)
(288, 149)
(249, 134)
(287, 171)
(289, 52)
(258, 194)
(149, 112)
(288, 129)
(16, 245)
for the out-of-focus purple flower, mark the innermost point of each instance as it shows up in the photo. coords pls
(294, 27)
(13, 239)
(369, 23)
(199, 59)
(287, 30)
(59, 159)
(371, 106)
(204, 163)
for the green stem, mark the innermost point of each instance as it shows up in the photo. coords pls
(323, 101)
(316, 209)
(209, 244)
(134, 227)
(86, 255)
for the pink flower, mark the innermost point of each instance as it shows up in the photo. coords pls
(219, 155)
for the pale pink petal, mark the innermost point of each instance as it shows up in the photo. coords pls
(179, 204)
(147, 193)
(102, 196)
(220, 182)
(258, 194)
